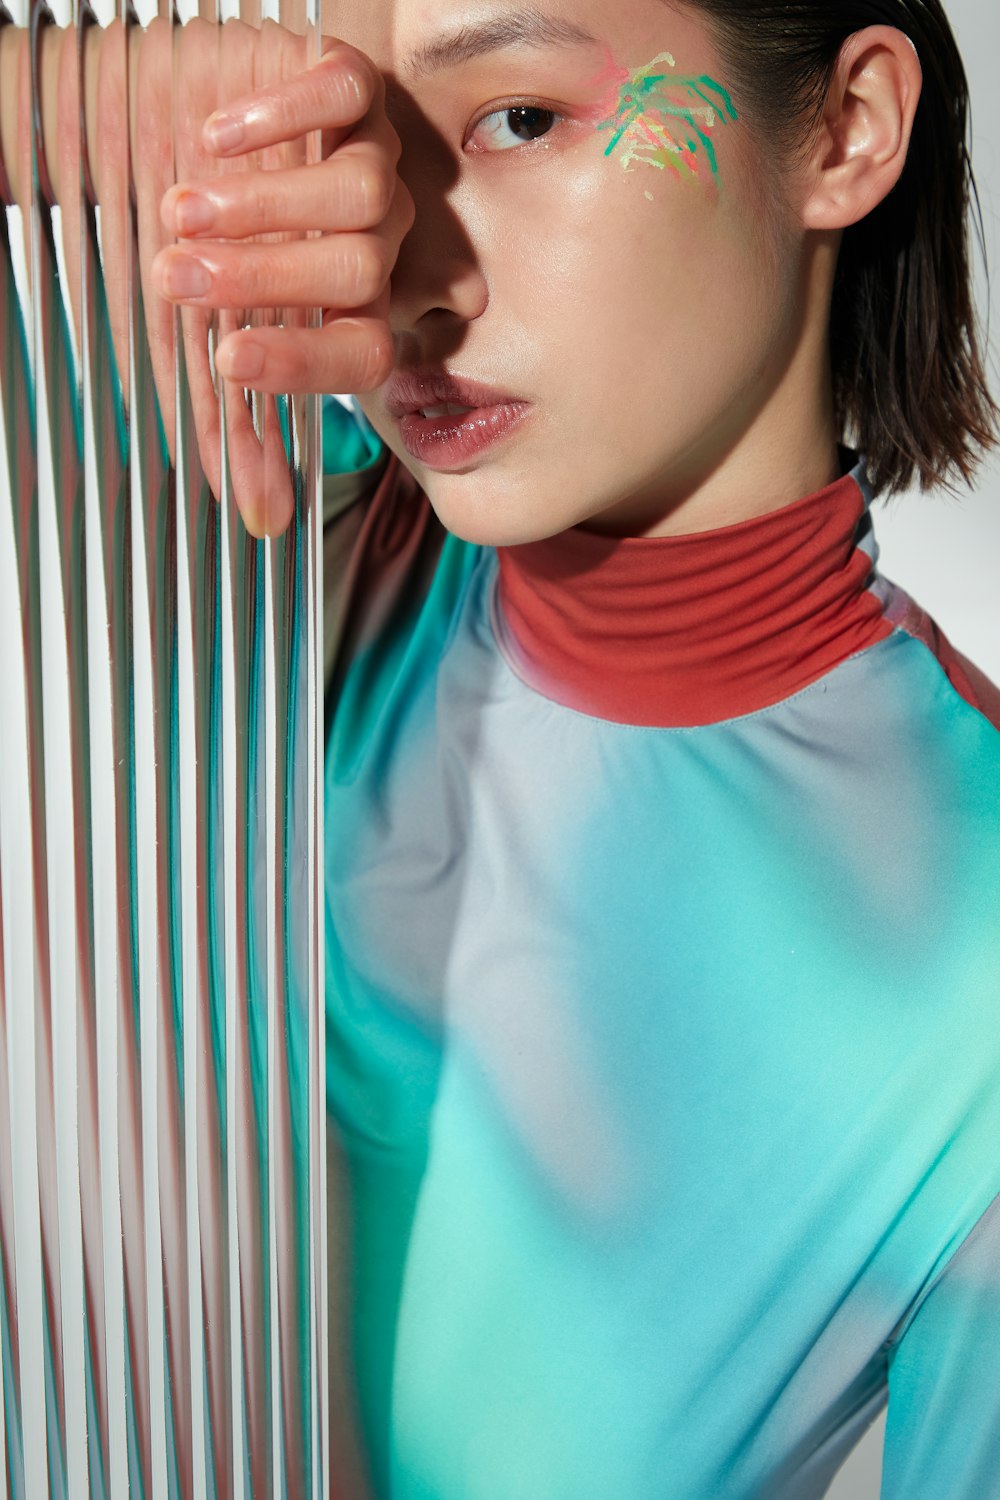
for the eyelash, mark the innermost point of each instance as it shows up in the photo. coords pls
(506, 109)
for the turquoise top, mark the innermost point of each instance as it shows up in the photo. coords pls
(664, 1059)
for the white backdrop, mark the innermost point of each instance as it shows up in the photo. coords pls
(946, 551)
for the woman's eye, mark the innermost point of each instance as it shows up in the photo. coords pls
(516, 126)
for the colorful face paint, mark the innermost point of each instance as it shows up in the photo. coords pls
(656, 119)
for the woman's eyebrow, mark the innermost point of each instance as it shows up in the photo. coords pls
(522, 28)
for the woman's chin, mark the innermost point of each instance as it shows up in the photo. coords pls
(489, 514)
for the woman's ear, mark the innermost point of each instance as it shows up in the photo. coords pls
(861, 147)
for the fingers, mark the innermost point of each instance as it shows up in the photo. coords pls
(344, 270)
(152, 163)
(334, 94)
(350, 355)
(334, 228)
(258, 467)
(195, 324)
(348, 192)
(15, 141)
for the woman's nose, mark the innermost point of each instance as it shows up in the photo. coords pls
(436, 284)
(439, 273)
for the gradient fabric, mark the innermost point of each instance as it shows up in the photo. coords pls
(664, 1056)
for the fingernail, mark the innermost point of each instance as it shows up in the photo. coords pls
(223, 132)
(244, 362)
(193, 212)
(185, 277)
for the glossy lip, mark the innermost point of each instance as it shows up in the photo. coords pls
(412, 390)
(451, 442)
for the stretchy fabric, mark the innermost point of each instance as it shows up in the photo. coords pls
(663, 979)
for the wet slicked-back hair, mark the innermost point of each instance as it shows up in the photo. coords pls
(909, 377)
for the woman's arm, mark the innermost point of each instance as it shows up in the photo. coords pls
(943, 1427)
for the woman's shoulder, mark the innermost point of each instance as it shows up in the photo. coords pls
(968, 681)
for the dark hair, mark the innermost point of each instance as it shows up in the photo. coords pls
(909, 381)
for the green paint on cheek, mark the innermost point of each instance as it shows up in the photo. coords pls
(662, 119)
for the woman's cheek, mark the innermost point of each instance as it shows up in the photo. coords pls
(570, 220)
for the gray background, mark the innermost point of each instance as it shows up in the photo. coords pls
(942, 550)
(945, 551)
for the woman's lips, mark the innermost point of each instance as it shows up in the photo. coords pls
(447, 420)
(451, 441)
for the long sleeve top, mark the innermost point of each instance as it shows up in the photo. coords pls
(663, 987)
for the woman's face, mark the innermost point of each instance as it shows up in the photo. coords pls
(591, 239)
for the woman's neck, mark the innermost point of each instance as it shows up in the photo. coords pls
(701, 627)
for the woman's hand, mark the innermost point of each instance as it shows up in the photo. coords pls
(284, 227)
(15, 123)
(349, 211)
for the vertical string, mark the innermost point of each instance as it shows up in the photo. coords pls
(110, 667)
(250, 1427)
(64, 890)
(25, 1322)
(322, 1457)
(17, 494)
(289, 918)
(154, 628)
(271, 989)
(21, 1286)
(306, 890)
(57, 786)
(7, 1364)
(66, 802)
(24, 1376)
(208, 1384)
(157, 638)
(162, 1053)
(249, 1290)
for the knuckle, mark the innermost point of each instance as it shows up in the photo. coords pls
(364, 270)
(263, 271)
(372, 194)
(364, 70)
(260, 205)
(300, 369)
(345, 82)
(370, 360)
(340, 54)
(286, 113)
(342, 96)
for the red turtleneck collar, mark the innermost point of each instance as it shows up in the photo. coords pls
(688, 630)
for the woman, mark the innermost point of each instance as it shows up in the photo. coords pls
(664, 849)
